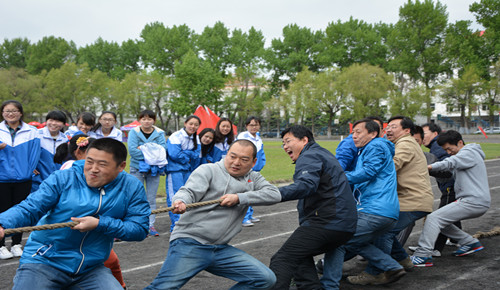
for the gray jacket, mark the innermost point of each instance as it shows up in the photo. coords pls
(214, 224)
(469, 171)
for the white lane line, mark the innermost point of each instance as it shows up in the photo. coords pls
(235, 245)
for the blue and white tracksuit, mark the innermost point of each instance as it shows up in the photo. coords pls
(183, 158)
(120, 205)
(261, 161)
(114, 134)
(46, 164)
(220, 150)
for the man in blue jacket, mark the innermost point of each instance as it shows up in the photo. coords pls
(104, 200)
(327, 210)
(375, 190)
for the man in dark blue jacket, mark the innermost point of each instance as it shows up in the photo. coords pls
(327, 210)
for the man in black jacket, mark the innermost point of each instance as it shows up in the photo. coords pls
(327, 209)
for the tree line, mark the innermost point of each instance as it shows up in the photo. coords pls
(346, 71)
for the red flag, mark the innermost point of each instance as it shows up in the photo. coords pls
(482, 131)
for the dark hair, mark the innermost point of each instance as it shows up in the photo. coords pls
(112, 146)
(219, 138)
(419, 130)
(250, 118)
(246, 143)
(147, 113)
(98, 124)
(87, 118)
(376, 118)
(66, 151)
(205, 149)
(370, 125)
(299, 131)
(56, 115)
(451, 137)
(195, 142)
(406, 123)
(16, 104)
(433, 127)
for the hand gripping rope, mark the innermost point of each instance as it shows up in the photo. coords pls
(72, 224)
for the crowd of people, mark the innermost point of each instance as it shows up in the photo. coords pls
(364, 200)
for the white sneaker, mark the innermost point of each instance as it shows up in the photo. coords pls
(247, 223)
(5, 254)
(17, 250)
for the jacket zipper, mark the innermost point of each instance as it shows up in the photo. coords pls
(101, 194)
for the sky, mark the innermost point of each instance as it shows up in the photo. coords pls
(84, 21)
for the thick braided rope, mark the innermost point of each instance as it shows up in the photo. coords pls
(72, 224)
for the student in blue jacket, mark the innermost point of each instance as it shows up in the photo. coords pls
(105, 127)
(51, 136)
(104, 200)
(183, 148)
(19, 155)
(252, 134)
(224, 136)
(207, 145)
(146, 133)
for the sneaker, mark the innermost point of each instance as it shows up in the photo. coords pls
(407, 264)
(468, 249)
(366, 279)
(5, 253)
(153, 232)
(422, 261)
(17, 250)
(435, 253)
(247, 223)
(450, 243)
(390, 276)
(319, 266)
(255, 220)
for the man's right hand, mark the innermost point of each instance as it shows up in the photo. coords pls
(179, 207)
(3, 145)
(2, 234)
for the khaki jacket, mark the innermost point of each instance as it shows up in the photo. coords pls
(414, 186)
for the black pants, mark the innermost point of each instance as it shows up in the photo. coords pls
(447, 196)
(295, 257)
(10, 195)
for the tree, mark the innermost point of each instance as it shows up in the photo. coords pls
(17, 84)
(161, 46)
(214, 46)
(103, 56)
(461, 92)
(364, 86)
(487, 12)
(410, 103)
(354, 41)
(49, 53)
(416, 44)
(13, 53)
(195, 83)
(492, 92)
(157, 89)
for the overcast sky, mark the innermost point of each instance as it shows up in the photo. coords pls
(83, 21)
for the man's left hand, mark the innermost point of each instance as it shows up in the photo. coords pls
(229, 200)
(86, 223)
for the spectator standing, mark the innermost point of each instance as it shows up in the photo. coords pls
(224, 136)
(207, 141)
(19, 155)
(252, 134)
(183, 149)
(146, 133)
(105, 128)
(84, 122)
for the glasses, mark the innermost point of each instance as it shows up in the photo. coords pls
(107, 120)
(10, 112)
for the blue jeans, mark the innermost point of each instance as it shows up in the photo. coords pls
(389, 243)
(187, 257)
(369, 228)
(175, 180)
(152, 183)
(42, 276)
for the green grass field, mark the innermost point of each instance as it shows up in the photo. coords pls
(279, 167)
